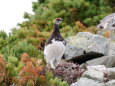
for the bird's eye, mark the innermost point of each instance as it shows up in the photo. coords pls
(57, 20)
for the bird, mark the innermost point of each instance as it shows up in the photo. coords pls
(54, 46)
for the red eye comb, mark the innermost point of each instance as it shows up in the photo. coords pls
(59, 19)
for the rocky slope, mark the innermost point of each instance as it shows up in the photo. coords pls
(95, 53)
(98, 69)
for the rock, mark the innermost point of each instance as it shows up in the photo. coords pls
(72, 51)
(111, 73)
(108, 61)
(98, 73)
(107, 22)
(85, 41)
(110, 83)
(87, 82)
(97, 76)
(98, 67)
(95, 73)
(111, 50)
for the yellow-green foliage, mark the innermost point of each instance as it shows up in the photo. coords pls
(13, 60)
(88, 12)
(57, 82)
(21, 47)
(54, 81)
(2, 69)
(3, 41)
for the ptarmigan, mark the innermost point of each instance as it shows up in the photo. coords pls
(54, 46)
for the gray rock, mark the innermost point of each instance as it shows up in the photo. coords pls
(72, 51)
(87, 82)
(111, 50)
(111, 73)
(98, 67)
(108, 61)
(96, 76)
(95, 73)
(85, 41)
(107, 22)
(110, 83)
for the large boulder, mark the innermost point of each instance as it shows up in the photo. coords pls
(85, 42)
(111, 50)
(72, 51)
(108, 61)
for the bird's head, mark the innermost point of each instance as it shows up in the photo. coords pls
(57, 21)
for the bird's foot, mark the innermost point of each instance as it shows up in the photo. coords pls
(52, 67)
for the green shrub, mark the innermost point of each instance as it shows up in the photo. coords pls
(19, 48)
(3, 34)
(54, 81)
(13, 60)
(69, 10)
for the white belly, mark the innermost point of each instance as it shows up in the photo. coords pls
(54, 51)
